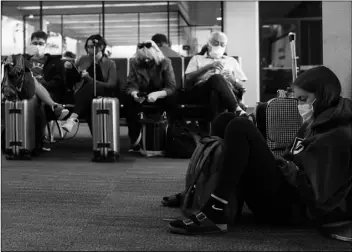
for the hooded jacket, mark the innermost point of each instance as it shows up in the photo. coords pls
(319, 163)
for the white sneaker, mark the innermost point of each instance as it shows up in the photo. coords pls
(69, 124)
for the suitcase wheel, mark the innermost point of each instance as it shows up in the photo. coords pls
(19, 157)
(111, 157)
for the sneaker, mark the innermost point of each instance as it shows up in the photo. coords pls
(60, 111)
(135, 148)
(69, 124)
(241, 113)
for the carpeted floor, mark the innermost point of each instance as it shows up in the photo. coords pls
(62, 201)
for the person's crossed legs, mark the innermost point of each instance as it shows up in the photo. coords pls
(43, 94)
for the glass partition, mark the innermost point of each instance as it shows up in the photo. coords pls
(123, 24)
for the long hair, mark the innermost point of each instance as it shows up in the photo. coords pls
(324, 84)
(100, 39)
(153, 53)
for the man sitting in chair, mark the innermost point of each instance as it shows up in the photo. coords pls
(216, 79)
(49, 71)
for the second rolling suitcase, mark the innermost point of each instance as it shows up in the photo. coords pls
(106, 129)
(105, 124)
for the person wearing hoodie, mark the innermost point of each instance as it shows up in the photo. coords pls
(315, 173)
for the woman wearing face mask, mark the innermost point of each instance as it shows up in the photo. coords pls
(211, 76)
(314, 175)
(152, 75)
(106, 76)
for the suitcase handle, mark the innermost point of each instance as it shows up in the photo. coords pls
(292, 39)
(103, 111)
(95, 43)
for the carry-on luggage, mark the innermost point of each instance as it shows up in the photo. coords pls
(105, 125)
(202, 178)
(278, 119)
(154, 129)
(20, 128)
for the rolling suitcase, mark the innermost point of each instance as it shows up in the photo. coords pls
(105, 126)
(278, 119)
(20, 128)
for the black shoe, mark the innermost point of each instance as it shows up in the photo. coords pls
(60, 111)
(197, 224)
(340, 230)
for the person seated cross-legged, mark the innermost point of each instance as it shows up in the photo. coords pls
(215, 78)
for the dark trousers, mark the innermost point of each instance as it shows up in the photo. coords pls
(214, 93)
(250, 171)
(133, 108)
(83, 99)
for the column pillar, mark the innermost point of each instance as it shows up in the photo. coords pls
(337, 42)
(241, 25)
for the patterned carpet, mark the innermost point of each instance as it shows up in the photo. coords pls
(62, 201)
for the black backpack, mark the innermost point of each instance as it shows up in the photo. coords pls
(180, 141)
(202, 178)
(18, 81)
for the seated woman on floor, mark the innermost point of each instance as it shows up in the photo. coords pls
(151, 80)
(315, 173)
(106, 75)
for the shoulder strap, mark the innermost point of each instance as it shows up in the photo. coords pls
(201, 154)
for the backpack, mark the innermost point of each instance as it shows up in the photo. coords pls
(180, 141)
(18, 81)
(202, 177)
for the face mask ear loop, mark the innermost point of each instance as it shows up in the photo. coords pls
(313, 104)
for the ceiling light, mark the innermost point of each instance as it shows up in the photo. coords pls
(109, 21)
(219, 18)
(92, 6)
(118, 26)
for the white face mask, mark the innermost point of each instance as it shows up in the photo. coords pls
(217, 51)
(38, 50)
(306, 111)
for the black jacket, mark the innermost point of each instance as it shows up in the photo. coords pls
(160, 77)
(319, 164)
(54, 76)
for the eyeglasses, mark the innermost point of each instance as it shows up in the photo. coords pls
(146, 45)
(37, 43)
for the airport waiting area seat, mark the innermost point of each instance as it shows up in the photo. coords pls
(191, 112)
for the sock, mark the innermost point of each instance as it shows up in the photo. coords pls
(214, 209)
